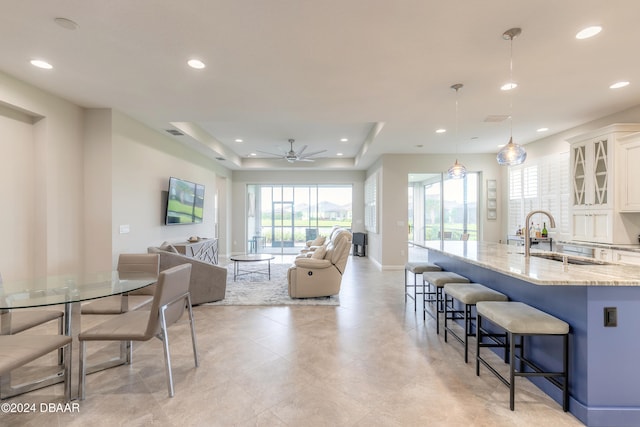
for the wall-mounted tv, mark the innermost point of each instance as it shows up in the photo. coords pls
(185, 202)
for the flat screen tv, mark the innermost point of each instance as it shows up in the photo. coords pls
(185, 202)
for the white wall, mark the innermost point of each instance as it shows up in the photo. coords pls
(242, 178)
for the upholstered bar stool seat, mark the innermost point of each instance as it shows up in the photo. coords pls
(437, 280)
(519, 320)
(416, 267)
(469, 294)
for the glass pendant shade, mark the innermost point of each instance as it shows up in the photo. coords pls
(457, 171)
(511, 154)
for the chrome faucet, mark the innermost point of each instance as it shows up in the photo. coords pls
(527, 237)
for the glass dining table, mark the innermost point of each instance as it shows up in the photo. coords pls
(69, 291)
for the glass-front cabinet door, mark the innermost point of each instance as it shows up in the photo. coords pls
(579, 175)
(590, 166)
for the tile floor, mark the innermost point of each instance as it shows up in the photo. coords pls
(370, 362)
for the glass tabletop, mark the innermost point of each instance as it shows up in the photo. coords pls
(52, 290)
(252, 257)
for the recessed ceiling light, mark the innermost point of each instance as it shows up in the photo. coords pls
(509, 86)
(239, 140)
(618, 85)
(588, 32)
(41, 64)
(196, 63)
(252, 154)
(339, 154)
(344, 139)
(542, 130)
(441, 130)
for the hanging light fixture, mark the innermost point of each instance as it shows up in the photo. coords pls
(457, 171)
(511, 154)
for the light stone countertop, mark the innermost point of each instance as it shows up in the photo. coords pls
(509, 260)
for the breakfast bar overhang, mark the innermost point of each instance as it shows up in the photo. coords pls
(603, 368)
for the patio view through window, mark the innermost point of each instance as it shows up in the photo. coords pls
(281, 218)
(441, 208)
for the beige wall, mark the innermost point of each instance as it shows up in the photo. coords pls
(54, 228)
(142, 162)
(77, 175)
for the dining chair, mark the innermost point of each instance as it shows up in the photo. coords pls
(21, 320)
(128, 263)
(18, 350)
(15, 321)
(169, 302)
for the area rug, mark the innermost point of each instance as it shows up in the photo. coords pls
(253, 289)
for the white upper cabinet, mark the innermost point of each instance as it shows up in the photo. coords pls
(628, 170)
(599, 189)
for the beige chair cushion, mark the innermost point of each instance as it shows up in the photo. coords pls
(21, 320)
(113, 304)
(319, 253)
(168, 247)
(18, 350)
(418, 267)
(472, 293)
(440, 278)
(318, 241)
(520, 318)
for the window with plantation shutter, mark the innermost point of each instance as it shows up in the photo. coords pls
(540, 184)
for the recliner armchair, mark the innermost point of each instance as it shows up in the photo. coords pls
(320, 275)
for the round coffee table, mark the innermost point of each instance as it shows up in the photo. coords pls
(238, 259)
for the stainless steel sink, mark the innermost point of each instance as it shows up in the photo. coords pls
(570, 259)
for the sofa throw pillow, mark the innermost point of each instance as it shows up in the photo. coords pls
(318, 241)
(168, 247)
(319, 253)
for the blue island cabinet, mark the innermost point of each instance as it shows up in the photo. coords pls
(604, 360)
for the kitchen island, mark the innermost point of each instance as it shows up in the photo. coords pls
(604, 377)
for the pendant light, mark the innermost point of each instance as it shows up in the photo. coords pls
(457, 171)
(511, 154)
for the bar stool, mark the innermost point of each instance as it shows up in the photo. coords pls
(416, 268)
(468, 294)
(520, 320)
(435, 281)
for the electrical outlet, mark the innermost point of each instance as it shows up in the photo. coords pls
(124, 229)
(610, 317)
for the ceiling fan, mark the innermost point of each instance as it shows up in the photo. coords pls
(291, 156)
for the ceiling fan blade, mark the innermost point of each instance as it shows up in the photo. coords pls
(313, 154)
(302, 150)
(271, 154)
(304, 159)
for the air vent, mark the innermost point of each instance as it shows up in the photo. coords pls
(497, 118)
(222, 159)
(175, 132)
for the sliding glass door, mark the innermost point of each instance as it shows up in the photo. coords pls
(281, 218)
